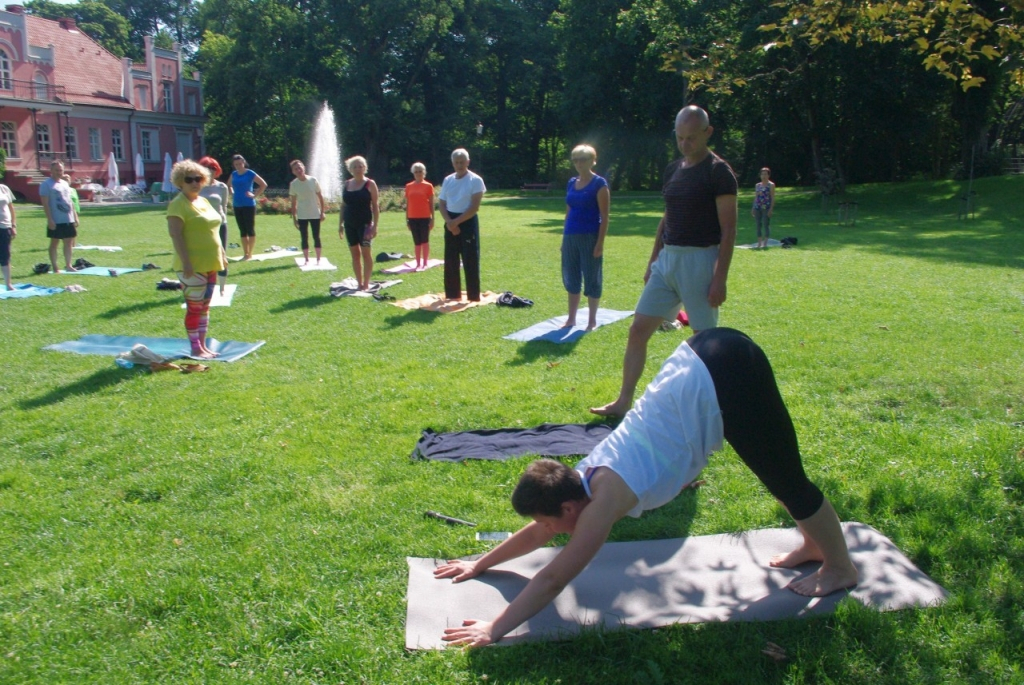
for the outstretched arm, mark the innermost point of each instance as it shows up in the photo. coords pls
(592, 529)
(530, 537)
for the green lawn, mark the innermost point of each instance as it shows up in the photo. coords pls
(251, 524)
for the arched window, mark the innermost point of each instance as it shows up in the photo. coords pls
(5, 70)
(40, 88)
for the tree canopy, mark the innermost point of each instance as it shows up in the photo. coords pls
(856, 89)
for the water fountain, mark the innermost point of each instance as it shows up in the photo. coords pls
(325, 155)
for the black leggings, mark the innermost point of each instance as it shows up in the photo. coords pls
(754, 417)
(304, 231)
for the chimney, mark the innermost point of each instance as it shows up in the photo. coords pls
(67, 23)
(16, 9)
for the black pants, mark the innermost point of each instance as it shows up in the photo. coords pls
(754, 417)
(245, 218)
(224, 244)
(304, 225)
(465, 245)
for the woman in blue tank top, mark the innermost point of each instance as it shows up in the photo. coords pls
(587, 200)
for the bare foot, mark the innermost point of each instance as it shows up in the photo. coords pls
(569, 324)
(824, 581)
(70, 268)
(802, 554)
(591, 326)
(56, 270)
(613, 409)
(246, 258)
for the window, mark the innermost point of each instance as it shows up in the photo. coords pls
(43, 143)
(143, 96)
(71, 142)
(40, 87)
(150, 145)
(5, 70)
(168, 102)
(95, 149)
(116, 145)
(192, 108)
(8, 137)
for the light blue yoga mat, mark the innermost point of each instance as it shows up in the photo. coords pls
(552, 331)
(102, 271)
(113, 345)
(27, 290)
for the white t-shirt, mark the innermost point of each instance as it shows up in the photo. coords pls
(6, 200)
(458, 193)
(664, 441)
(307, 206)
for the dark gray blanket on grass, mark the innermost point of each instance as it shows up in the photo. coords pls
(546, 440)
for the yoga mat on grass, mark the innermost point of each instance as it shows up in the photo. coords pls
(324, 264)
(176, 348)
(545, 440)
(437, 302)
(101, 248)
(218, 299)
(23, 290)
(772, 242)
(656, 583)
(264, 256)
(552, 330)
(103, 271)
(410, 267)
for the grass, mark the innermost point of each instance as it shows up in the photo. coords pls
(250, 524)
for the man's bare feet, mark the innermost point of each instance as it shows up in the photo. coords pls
(616, 408)
(824, 581)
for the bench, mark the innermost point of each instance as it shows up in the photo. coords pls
(536, 187)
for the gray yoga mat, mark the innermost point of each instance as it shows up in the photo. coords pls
(552, 331)
(177, 348)
(656, 583)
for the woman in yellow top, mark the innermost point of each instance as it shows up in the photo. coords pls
(198, 253)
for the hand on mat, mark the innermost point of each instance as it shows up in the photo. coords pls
(458, 570)
(472, 633)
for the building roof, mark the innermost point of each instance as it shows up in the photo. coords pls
(90, 74)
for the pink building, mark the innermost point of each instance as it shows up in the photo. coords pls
(64, 97)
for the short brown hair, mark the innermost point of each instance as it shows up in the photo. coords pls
(544, 487)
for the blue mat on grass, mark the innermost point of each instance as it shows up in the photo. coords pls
(177, 348)
(552, 331)
(101, 271)
(27, 290)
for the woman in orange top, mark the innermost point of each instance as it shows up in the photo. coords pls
(419, 213)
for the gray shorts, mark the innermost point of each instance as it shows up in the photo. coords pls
(681, 275)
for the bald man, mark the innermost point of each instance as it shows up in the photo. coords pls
(692, 251)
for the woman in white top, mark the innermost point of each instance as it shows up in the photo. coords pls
(308, 208)
(8, 231)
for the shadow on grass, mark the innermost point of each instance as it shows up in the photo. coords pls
(139, 307)
(536, 350)
(311, 302)
(233, 268)
(103, 378)
(420, 316)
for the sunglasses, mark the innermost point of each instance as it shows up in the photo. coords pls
(193, 179)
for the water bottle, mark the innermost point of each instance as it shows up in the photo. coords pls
(123, 363)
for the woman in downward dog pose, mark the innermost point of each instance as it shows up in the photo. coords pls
(718, 384)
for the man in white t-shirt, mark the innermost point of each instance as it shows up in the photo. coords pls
(61, 217)
(459, 202)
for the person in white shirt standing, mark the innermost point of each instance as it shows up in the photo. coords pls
(61, 217)
(459, 202)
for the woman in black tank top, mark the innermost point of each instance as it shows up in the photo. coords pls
(359, 217)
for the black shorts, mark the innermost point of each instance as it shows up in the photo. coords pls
(354, 235)
(62, 231)
(245, 217)
(420, 230)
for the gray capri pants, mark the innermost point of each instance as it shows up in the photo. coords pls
(579, 264)
(681, 275)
